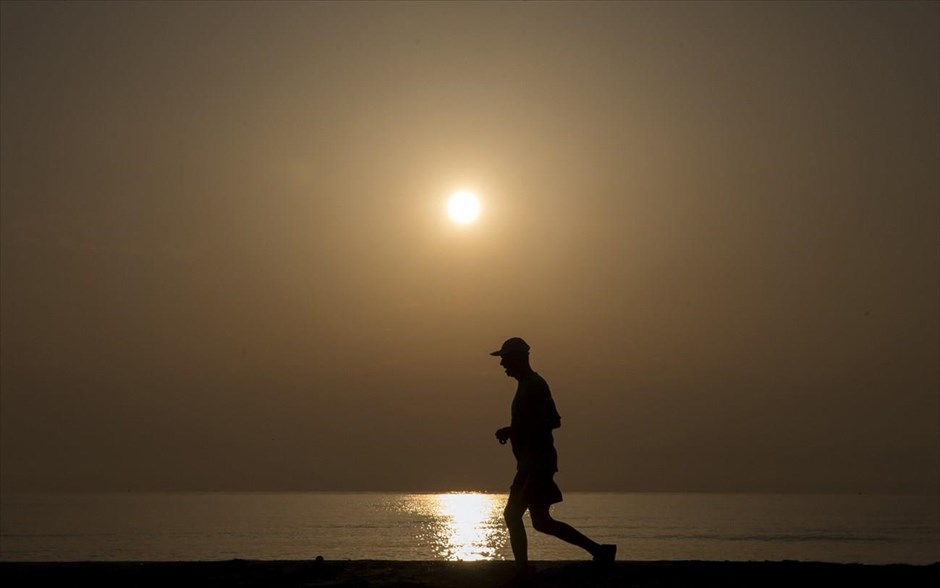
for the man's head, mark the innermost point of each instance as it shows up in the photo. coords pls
(514, 356)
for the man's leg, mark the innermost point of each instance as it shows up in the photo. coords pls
(517, 537)
(543, 522)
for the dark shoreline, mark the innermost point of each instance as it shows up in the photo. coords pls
(415, 574)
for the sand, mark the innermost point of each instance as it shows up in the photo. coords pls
(381, 574)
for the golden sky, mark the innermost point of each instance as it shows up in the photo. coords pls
(226, 261)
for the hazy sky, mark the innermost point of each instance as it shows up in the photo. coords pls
(226, 262)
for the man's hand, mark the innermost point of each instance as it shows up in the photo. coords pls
(504, 434)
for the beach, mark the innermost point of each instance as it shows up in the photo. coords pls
(438, 574)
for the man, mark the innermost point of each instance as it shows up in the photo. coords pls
(530, 432)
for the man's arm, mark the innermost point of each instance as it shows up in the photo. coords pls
(540, 410)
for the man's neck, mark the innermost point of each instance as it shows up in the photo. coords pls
(524, 373)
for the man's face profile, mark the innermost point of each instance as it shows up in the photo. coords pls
(513, 364)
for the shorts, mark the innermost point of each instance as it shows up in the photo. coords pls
(534, 489)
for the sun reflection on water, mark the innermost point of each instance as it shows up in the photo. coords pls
(460, 526)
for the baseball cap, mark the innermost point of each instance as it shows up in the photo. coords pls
(512, 345)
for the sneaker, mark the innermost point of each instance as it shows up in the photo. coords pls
(606, 553)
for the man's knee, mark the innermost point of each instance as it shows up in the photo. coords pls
(542, 521)
(512, 514)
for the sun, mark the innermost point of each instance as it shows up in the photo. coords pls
(463, 207)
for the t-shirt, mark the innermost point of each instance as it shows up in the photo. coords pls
(533, 418)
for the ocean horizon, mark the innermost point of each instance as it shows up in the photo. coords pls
(464, 526)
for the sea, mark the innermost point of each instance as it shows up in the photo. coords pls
(869, 529)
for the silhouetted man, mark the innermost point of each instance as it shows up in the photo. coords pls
(530, 432)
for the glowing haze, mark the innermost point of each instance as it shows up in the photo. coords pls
(463, 207)
(226, 263)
